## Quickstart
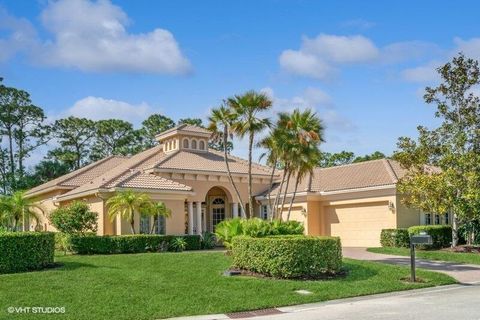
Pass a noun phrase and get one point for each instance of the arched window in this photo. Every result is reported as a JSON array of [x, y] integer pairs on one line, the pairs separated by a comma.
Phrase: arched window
[[185, 143], [218, 201], [201, 145], [194, 144]]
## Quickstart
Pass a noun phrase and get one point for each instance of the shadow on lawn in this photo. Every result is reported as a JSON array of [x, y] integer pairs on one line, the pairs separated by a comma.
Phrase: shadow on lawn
[[357, 272]]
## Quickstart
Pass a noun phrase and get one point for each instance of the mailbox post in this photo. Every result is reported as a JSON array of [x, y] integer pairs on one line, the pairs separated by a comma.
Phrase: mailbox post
[[421, 238]]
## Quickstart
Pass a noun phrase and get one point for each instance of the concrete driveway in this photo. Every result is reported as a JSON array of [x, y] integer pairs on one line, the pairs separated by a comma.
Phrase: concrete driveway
[[463, 273]]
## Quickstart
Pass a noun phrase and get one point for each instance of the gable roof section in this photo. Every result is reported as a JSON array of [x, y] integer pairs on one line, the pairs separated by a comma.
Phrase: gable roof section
[[211, 161], [368, 174], [78, 177], [130, 174]]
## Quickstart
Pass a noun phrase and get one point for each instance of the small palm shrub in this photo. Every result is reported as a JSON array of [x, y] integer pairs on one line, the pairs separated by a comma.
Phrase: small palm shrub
[[178, 244], [208, 240], [255, 228]]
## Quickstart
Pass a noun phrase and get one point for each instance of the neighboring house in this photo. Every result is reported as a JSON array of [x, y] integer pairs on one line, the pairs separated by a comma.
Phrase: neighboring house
[[354, 201]]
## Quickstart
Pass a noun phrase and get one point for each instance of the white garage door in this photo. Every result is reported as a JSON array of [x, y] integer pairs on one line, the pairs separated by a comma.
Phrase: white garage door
[[358, 225]]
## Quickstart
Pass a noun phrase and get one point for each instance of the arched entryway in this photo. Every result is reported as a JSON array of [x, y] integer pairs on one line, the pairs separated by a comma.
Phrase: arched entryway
[[217, 208]]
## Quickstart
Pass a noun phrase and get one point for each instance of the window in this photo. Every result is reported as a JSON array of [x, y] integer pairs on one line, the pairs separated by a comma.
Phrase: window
[[437, 219], [194, 144], [446, 218], [185, 143], [174, 144], [218, 212], [159, 225], [201, 145], [144, 224], [264, 212], [428, 218]]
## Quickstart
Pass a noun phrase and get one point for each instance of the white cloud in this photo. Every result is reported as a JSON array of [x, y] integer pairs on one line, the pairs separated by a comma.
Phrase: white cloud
[[97, 108], [471, 47], [315, 99], [427, 72], [21, 35], [341, 49], [408, 50], [322, 56], [318, 57], [422, 74], [93, 37], [304, 64]]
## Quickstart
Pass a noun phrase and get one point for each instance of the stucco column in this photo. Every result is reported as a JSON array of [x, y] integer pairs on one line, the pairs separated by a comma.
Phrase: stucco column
[[199, 217], [190, 217], [204, 225], [235, 210]]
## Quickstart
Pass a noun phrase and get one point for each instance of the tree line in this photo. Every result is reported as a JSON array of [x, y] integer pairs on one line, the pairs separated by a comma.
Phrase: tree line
[[24, 129]]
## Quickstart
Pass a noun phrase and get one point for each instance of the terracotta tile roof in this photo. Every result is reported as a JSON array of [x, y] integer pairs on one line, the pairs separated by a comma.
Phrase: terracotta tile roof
[[373, 173], [130, 172], [212, 161], [151, 181], [130, 169], [78, 177]]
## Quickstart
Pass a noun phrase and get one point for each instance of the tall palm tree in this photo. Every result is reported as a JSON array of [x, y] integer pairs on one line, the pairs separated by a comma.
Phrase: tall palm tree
[[126, 204], [220, 123], [157, 209], [246, 108], [305, 162], [271, 154], [300, 133], [18, 208]]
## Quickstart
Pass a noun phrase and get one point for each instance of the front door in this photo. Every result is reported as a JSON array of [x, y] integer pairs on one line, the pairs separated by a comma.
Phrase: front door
[[217, 211]]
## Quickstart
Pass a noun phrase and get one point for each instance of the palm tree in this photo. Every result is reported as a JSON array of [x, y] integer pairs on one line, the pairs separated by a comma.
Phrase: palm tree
[[157, 209], [306, 161], [246, 108], [17, 207], [126, 204], [296, 137], [220, 123], [271, 153]]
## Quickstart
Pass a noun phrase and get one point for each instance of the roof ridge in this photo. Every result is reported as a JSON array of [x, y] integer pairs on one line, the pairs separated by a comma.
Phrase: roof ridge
[[68, 176], [132, 167], [350, 164], [91, 165], [258, 165], [390, 170]]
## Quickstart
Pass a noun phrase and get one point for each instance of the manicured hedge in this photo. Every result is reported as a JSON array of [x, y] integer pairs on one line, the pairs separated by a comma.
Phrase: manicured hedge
[[441, 235], [26, 251], [92, 244], [398, 238], [288, 256]]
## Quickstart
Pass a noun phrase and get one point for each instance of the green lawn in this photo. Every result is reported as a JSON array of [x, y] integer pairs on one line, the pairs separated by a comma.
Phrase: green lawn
[[152, 286], [471, 258]]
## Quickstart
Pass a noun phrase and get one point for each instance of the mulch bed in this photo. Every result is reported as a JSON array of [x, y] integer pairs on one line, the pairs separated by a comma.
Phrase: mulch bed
[[326, 276], [464, 249]]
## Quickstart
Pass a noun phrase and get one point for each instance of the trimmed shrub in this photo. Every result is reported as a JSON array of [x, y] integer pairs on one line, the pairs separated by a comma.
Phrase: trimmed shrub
[[92, 244], [288, 256], [398, 238], [26, 251], [74, 218], [255, 227], [441, 235]]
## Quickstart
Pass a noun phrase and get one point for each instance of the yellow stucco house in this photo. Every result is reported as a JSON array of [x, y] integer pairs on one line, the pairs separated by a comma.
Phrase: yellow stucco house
[[353, 201]]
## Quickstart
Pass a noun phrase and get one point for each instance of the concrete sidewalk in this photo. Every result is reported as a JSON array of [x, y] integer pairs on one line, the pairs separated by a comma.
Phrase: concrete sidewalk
[[439, 303], [463, 273]]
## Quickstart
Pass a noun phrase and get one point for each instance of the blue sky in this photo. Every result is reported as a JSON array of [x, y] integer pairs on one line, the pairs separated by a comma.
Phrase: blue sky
[[362, 65]]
